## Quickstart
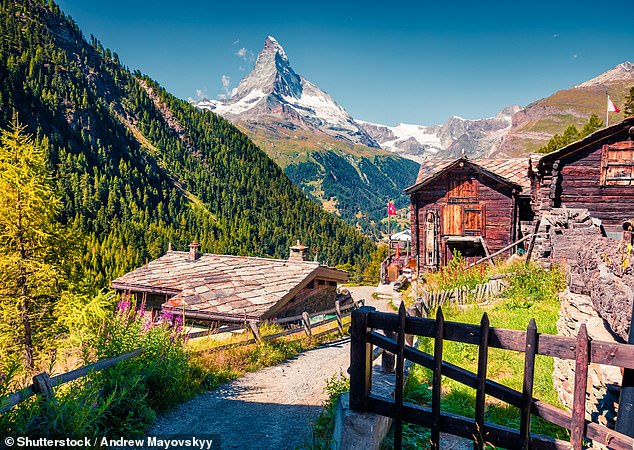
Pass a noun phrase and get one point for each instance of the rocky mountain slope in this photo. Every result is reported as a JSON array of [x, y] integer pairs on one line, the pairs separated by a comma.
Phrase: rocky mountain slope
[[513, 131], [318, 144], [273, 93], [478, 138], [538, 122]]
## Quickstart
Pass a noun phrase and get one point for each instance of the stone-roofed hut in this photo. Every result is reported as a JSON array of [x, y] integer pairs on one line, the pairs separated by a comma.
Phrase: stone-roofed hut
[[229, 289], [473, 206]]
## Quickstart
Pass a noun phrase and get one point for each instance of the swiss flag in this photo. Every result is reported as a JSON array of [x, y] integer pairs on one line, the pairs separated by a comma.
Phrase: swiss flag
[[391, 209], [612, 107]]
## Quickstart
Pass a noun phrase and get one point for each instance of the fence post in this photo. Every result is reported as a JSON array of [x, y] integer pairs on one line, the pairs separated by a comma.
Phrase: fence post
[[338, 313], [483, 355], [360, 359], [625, 416], [527, 389], [256, 331], [435, 393], [42, 385], [306, 323], [577, 430], [400, 375]]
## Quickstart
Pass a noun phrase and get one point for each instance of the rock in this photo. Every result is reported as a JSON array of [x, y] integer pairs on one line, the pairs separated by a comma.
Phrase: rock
[[601, 396], [612, 298]]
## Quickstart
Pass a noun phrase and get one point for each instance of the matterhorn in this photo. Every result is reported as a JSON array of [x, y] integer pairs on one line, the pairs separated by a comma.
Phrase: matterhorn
[[274, 95]]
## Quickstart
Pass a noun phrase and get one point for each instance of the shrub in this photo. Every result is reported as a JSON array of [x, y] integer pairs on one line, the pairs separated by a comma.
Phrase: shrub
[[124, 399], [457, 274]]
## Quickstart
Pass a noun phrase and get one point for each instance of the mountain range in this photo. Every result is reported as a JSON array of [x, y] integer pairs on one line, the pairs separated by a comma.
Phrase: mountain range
[[352, 167], [321, 148], [515, 130]]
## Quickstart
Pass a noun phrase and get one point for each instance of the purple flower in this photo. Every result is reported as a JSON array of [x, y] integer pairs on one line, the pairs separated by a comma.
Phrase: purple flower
[[166, 317], [94, 404], [123, 306], [141, 309]]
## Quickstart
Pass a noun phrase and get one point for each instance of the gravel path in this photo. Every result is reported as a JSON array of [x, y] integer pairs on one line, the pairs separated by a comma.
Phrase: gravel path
[[272, 408]]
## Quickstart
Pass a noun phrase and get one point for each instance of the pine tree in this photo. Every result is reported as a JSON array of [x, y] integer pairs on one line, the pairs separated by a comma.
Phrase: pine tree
[[29, 238], [628, 107], [571, 134]]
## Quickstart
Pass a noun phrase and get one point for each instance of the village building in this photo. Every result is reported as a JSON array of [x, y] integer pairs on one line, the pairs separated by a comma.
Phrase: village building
[[230, 289], [475, 207], [480, 207], [595, 173]]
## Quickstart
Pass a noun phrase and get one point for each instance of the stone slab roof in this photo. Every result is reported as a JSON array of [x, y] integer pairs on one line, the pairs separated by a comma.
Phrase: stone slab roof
[[512, 170], [224, 285]]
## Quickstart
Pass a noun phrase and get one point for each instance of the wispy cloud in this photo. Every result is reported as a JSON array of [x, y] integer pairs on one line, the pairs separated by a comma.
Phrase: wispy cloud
[[201, 93], [236, 42], [556, 35], [226, 82], [245, 54]]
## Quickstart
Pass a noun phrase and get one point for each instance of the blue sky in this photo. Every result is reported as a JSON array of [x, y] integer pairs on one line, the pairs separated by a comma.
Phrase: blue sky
[[387, 62]]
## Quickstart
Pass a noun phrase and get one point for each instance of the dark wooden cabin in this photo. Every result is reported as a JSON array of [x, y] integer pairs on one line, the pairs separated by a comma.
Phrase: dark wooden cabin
[[473, 206], [595, 173]]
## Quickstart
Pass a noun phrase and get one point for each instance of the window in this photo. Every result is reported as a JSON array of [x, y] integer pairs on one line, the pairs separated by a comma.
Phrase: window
[[462, 189], [617, 164]]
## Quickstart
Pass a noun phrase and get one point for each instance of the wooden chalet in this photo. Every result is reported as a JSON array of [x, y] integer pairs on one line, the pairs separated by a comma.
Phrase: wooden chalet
[[473, 206], [229, 289], [595, 173]]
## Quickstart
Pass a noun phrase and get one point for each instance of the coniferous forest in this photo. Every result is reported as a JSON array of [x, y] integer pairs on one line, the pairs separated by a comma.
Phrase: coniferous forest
[[137, 168]]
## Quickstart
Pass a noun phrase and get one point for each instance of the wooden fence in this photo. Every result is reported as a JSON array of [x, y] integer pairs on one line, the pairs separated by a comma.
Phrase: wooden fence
[[431, 300], [366, 323], [306, 326], [43, 384]]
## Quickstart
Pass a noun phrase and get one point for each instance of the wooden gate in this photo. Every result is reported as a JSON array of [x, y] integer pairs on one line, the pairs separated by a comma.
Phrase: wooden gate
[[366, 323]]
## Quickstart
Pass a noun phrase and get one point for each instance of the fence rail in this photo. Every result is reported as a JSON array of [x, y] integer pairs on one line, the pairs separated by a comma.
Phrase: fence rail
[[364, 335], [43, 384], [306, 328]]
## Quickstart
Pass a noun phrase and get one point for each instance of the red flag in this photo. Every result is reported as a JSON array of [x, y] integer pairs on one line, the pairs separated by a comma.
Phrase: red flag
[[612, 107], [391, 209]]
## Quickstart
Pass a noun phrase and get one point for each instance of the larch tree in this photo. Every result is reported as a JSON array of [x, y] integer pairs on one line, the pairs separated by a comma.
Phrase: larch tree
[[628, 106], [30, 272]]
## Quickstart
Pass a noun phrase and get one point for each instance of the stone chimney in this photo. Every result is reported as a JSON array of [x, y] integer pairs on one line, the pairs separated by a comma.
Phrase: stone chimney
[[193, 251], [298, 252]]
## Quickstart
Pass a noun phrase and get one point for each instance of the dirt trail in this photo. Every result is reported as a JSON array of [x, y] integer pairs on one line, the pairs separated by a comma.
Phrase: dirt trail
[[272, 408]]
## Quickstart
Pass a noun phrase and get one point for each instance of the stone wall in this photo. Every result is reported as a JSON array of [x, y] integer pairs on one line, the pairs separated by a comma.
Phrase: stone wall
[[603, 271], [319, 298], [602, 395]]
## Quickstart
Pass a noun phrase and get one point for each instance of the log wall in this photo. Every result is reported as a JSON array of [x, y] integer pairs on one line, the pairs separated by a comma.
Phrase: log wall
[[573, 179], [495, 199]]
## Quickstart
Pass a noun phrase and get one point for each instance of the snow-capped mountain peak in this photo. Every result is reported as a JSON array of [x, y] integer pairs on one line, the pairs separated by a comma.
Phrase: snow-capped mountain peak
[[273, 90], [623, 71], [420, 142]]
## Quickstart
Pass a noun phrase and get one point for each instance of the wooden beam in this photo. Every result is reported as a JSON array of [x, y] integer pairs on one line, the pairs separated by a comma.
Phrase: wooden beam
[[527, 388], [435, 394], [360, 360], [601, 352]]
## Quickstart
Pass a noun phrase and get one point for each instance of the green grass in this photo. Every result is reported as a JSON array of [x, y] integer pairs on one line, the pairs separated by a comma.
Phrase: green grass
[[324, 425], [532, 294]]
